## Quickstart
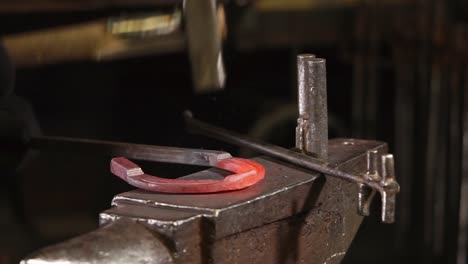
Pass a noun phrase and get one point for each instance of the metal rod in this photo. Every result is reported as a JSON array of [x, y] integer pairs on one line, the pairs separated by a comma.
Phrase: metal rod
[[303, 84], [312, 124], [299, 159], [199, 157], [387, 187], [366, 194]]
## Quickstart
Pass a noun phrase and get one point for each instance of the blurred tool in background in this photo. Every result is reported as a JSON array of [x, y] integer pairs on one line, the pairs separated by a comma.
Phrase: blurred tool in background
[[197, 26]]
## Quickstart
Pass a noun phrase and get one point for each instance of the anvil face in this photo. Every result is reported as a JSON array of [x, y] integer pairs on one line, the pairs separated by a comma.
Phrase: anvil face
[[292, 216]]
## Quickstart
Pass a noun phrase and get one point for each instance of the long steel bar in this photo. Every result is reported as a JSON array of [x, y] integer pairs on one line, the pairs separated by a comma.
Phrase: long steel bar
[[199, 157], [197, 126]]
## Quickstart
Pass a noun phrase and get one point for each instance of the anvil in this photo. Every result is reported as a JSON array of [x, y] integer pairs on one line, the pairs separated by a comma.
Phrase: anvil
[[294, 215]]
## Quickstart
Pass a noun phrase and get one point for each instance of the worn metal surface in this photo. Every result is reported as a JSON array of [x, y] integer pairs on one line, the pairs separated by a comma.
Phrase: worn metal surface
[[312, 124], [388, 186], [293, 216], [121, 241]]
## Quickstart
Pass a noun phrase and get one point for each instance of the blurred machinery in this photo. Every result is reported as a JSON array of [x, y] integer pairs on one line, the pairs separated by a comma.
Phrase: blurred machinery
[[198, 26]]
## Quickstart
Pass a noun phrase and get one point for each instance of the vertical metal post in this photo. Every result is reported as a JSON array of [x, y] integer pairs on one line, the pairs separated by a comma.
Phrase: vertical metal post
[[366, 194], [312, 136], [388, 198], [312, 124]]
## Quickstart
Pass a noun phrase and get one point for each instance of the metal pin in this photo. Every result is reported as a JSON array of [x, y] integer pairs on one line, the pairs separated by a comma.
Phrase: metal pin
[[372, 159], [312, 124], [388, 168], [389, 193], [302, 69], [366, 194], [303, 100]]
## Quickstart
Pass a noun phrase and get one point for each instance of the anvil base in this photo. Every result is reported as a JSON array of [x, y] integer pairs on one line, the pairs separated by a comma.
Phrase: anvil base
[[292, 216]]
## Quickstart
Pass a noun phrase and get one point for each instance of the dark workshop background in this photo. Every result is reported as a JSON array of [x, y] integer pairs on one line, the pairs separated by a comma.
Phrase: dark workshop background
[[396, 72]]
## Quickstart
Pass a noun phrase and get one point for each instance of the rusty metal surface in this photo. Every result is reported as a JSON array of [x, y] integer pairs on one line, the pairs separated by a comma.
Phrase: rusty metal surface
[[320, 234]]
